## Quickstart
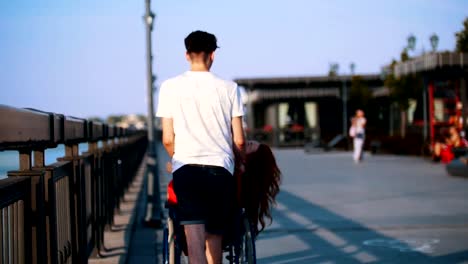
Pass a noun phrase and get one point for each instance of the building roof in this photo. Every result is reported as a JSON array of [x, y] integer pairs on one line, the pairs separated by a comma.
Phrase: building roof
[[308, 81], [281, 94], [302, 87]]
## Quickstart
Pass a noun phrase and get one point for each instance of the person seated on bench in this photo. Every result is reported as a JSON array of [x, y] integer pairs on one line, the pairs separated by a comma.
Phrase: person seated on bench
[[445, 145]]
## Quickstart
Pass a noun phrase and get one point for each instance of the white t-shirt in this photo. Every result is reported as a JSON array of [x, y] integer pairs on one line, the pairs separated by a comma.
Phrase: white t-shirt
[[202, 107], [360, 125]]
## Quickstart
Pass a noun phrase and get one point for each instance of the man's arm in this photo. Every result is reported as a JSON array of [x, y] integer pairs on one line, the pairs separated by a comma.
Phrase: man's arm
[[238, 134], [168, 135]]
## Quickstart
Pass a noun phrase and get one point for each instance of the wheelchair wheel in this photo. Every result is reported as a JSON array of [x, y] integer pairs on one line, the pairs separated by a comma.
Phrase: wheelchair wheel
[[247, 252], [171, 252]]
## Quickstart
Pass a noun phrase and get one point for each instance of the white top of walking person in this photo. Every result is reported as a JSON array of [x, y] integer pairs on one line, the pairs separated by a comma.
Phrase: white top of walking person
[[360, 122]]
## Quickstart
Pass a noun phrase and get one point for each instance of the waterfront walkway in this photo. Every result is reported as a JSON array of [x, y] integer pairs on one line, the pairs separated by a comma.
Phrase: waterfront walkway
[[389, 209]]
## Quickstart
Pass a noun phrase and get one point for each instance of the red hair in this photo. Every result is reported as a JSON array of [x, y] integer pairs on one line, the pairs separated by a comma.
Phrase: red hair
[[260, 185]]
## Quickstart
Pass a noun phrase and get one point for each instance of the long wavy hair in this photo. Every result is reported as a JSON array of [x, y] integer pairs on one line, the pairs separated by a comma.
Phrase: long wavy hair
[[259, 186]]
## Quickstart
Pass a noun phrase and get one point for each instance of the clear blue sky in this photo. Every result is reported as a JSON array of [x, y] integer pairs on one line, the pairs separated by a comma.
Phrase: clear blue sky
[[87, 58]]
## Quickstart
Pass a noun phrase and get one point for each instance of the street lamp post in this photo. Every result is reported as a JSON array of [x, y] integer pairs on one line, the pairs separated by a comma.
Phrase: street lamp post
[[383, 76], [434, 42], [352, 67], [153, 207]]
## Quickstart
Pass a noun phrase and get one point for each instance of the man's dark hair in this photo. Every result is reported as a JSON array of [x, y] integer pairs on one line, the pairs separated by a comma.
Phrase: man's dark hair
[[200, 41]]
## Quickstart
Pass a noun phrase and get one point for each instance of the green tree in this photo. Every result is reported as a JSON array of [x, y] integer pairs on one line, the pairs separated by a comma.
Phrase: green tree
[[96, 119], [114, 119], [404, 55], [359, 95], [462, 38], [333, 71], [402, 90], [142, 117]]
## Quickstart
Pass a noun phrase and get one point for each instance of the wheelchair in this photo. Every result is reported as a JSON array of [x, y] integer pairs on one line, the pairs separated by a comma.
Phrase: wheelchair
[[238, 245]]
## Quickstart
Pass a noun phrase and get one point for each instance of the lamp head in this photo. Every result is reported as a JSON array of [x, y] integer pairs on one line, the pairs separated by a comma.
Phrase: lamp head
[[411, 42], [352, 66]]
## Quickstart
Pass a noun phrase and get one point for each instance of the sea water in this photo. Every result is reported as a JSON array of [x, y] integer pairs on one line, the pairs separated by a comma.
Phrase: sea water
[[9, 160]]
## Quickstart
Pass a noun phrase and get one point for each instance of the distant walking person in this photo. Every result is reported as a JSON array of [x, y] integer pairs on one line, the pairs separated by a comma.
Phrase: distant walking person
[[358, 133], [201, 118]]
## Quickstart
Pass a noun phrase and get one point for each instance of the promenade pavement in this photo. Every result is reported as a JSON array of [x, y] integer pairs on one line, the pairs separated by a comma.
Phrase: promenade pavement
[[388, 209]]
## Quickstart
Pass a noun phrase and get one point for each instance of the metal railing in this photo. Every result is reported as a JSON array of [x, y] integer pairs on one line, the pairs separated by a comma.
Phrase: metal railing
[[431, 61], [58, 213], [15, 215]]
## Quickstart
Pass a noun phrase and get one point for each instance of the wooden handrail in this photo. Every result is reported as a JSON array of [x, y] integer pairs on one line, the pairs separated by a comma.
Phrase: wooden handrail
[[66, 205], [28, 128], [23, 127]]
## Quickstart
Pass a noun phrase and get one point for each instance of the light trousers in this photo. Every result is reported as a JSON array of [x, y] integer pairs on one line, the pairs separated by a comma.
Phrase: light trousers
[[358, 143]]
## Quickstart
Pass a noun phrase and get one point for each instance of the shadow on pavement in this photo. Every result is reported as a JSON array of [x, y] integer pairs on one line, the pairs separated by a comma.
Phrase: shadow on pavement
[[332, 238]]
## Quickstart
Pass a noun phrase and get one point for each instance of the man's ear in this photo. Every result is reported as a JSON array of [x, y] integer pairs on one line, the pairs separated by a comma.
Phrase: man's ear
[[187, 57], [212, 56]]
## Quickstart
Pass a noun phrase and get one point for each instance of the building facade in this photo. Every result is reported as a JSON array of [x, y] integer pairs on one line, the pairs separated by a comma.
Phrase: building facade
[[294, 110]]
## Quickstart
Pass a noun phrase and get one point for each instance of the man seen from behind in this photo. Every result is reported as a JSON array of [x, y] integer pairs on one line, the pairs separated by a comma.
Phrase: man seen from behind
[[201, 117]]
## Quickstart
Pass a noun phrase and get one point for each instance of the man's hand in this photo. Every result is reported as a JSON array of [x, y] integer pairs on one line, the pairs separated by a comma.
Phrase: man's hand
[[169, 167]]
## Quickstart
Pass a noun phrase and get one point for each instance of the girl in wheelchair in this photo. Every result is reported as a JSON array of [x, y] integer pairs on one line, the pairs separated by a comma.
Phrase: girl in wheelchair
[[257, 179]]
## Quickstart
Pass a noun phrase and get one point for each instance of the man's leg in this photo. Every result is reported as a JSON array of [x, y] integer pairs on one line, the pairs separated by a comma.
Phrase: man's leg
[[214, 250], [195, 235], [221, 206]]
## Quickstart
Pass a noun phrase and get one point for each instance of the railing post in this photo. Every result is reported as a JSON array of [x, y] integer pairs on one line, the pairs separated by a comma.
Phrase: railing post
[[109, 185], [97, 132], [71, 154], [95, 192], [40, 238], [25, 159]]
